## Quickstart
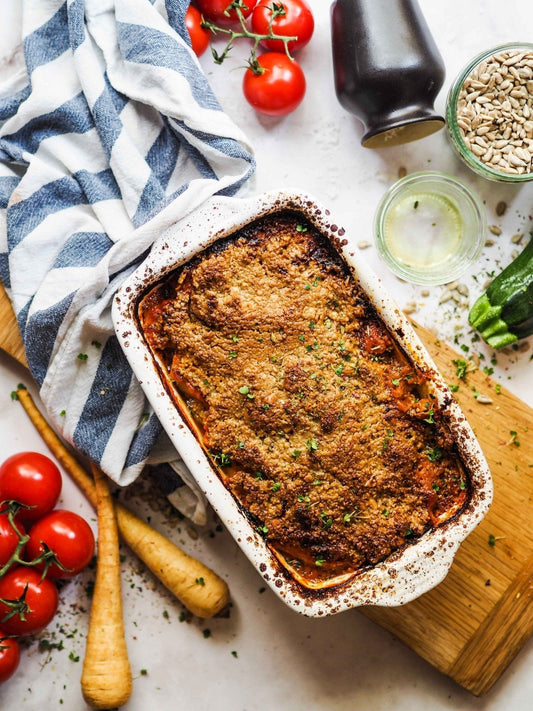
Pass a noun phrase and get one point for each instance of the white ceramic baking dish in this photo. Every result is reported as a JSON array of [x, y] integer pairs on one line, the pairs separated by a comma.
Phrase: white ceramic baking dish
[[408, 572]]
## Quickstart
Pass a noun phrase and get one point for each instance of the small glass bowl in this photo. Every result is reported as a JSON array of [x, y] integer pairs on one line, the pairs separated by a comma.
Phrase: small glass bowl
[[430, 228], [481, 167]]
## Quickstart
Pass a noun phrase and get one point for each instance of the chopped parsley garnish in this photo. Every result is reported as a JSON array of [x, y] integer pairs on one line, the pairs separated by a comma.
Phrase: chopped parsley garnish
[[429, 419], [461, 367], [326, 520], [245, 390], [301, 228], [514, 439], [275, 486], [312, 445], [320, 561], [433, 454], [348, 517], [223, 459]]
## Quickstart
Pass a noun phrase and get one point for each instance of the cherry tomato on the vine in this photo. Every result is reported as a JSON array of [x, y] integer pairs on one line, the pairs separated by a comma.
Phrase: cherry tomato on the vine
[[199, 35], [298, 21], [9, 539], [9, 656], [279, 89], [69, 536], [40, 596], [214, 10], [32, 479]]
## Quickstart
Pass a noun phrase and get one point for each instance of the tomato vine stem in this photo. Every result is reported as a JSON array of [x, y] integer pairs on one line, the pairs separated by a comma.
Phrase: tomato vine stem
[[277, 10]]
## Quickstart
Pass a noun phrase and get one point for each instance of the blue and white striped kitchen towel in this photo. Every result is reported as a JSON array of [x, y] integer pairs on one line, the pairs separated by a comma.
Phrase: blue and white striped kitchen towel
[[106, 120]]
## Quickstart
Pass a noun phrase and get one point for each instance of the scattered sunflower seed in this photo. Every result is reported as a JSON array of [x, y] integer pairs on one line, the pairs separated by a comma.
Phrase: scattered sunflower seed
[[410, 307], [484, 399], [495, 230], [501, 208]]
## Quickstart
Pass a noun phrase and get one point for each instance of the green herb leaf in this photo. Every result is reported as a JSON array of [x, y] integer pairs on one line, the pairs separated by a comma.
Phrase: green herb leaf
[[433, 454], [312, 445], [461, 367]]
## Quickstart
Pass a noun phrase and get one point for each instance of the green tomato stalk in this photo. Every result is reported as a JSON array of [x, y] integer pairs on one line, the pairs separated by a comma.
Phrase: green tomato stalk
[[277, 10]]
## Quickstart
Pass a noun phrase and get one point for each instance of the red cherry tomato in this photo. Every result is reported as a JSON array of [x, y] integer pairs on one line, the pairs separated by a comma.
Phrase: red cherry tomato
[[8, 538], [41, 598], [298, 21], [31, 479], [279, 89], [214, 10], [199, 35], [69, 536], [9, 656]]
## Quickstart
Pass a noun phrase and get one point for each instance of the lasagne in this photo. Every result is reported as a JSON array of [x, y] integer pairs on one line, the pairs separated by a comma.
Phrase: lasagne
[[317, 422]]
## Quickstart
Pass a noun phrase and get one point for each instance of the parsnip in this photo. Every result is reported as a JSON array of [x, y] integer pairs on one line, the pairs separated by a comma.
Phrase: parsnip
[[199, 588], [106, 680]]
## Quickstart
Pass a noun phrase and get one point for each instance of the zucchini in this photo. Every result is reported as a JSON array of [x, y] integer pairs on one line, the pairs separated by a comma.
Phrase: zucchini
[[504, 312]]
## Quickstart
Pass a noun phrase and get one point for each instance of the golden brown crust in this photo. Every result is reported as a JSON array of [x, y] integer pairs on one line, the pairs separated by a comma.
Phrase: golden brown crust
[[319, 425]]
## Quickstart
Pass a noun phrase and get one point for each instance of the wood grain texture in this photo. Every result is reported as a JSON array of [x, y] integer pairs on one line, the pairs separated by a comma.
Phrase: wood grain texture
[[474, 623], [10, 340]]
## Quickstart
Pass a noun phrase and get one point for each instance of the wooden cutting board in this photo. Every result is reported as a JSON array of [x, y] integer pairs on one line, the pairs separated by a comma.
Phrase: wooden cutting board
[[473, 624]]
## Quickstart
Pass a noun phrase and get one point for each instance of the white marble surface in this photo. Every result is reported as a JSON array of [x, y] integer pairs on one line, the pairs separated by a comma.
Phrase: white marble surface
[[264, 656]]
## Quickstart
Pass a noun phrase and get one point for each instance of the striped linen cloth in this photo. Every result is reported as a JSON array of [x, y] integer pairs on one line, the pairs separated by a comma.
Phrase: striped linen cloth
[[106, 122]]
